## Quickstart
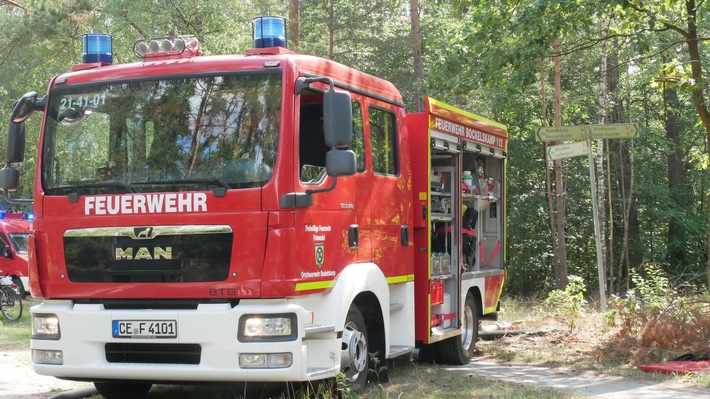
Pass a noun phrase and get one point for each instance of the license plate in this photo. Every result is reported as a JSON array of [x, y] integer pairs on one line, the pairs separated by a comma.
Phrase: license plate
[[144, 328]]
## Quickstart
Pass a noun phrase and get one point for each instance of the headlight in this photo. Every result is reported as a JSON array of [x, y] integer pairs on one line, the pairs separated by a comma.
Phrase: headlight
[[45, 326], [271, 327]]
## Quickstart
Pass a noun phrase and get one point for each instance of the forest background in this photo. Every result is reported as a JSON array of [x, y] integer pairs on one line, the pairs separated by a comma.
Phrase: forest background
[[523, 63]]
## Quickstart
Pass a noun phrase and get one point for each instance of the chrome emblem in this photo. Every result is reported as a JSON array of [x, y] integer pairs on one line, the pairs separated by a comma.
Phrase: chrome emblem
[[142, 233], [144, 253]]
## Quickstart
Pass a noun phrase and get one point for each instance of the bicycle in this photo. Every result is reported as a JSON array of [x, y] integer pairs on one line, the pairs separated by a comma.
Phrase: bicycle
[[10, 299]]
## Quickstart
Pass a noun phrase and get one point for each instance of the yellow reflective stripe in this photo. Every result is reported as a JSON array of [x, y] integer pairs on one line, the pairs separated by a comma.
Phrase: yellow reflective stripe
[[319, 285], [316, 285], [400, 279]]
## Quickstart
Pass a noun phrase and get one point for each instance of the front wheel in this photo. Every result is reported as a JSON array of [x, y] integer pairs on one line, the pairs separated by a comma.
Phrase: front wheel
[[354, 359], [123, 389], [11, 304], [459, 350]]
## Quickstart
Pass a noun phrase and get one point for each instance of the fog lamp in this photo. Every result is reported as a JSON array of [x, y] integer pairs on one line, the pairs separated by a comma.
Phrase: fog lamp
[[265, 360], [47, 356]]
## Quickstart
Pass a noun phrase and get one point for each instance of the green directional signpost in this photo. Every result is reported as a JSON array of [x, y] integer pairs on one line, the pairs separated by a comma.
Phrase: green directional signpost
[[615, 131], [567, 150], [579, 148], [562, 133]]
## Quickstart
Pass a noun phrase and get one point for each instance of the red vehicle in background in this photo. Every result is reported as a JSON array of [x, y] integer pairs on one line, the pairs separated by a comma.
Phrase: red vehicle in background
[[15, 228]]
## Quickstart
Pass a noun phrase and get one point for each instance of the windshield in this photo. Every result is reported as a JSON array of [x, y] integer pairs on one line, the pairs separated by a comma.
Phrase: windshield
[[19, 242], [172, 134]]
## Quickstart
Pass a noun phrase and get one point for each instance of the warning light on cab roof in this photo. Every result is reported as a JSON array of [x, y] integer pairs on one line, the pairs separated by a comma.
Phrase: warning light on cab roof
[[97, 47], [269, 32], [183, 46]]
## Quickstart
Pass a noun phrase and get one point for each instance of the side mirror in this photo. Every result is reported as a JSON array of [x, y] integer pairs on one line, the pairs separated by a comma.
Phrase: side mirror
[[15, 142], [9, 179], [339, 163], [337, 118], [24, 107]]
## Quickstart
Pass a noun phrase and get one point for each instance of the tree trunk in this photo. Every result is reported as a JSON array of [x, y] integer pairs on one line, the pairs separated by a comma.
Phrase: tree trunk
[[417, 56], [548, 177], [615, 116], [678, 188], [561, 272], [330, 10], [294, 23], [696, 70], [601, 188]]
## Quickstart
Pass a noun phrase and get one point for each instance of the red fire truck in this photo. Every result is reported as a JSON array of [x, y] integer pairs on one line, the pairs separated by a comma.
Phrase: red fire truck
[[268, 216]]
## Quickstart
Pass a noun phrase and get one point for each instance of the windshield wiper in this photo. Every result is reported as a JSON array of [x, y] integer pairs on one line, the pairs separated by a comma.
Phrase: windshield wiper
[[206, 181], [220, 191], [73, 189]]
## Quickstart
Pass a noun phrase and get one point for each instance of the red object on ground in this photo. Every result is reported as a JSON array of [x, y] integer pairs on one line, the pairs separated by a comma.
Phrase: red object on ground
[[678, 367]]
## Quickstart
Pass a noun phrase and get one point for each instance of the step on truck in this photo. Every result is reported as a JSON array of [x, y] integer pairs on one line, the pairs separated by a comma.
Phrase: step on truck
[[267, 216]]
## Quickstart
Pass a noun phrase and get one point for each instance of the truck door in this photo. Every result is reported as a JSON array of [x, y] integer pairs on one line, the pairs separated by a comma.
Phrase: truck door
[[390, 192]]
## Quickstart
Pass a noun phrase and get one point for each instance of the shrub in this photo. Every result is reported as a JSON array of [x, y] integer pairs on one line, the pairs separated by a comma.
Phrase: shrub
[[655, 322], [568, 302]]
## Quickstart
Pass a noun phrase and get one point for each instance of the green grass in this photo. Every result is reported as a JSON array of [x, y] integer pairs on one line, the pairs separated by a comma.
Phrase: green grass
[[407, 380], [16, 334]]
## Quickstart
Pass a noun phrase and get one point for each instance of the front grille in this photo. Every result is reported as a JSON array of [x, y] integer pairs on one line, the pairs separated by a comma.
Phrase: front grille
[[161, 254], [153, 353]]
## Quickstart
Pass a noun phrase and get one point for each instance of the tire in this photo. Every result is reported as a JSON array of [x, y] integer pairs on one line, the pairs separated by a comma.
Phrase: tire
[[11, 304], [459, 350], [123, 389], [354, 357]]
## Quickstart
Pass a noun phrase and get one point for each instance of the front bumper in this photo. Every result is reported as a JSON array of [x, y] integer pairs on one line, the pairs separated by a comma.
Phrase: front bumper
[[86, 336]]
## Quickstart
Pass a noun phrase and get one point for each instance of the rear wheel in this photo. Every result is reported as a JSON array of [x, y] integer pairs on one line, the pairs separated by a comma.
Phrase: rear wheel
[[11, 304], [459, 350], [123, 389], [354, 358]]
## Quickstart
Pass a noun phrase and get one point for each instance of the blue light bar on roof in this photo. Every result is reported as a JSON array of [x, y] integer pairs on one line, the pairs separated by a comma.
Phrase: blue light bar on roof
[[269, 32], [98, 47]]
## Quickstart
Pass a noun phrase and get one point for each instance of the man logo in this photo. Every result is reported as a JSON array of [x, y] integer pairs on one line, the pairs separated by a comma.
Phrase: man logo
[[144, 253], [142, 233]]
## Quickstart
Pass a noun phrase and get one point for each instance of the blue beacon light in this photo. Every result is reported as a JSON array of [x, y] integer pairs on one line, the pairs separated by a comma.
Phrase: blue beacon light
[[269, 32], [98, 47]]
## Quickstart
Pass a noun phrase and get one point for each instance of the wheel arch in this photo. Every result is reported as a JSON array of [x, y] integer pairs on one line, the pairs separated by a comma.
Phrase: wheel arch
[[363, 284], [371, 309], [477, 298]]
